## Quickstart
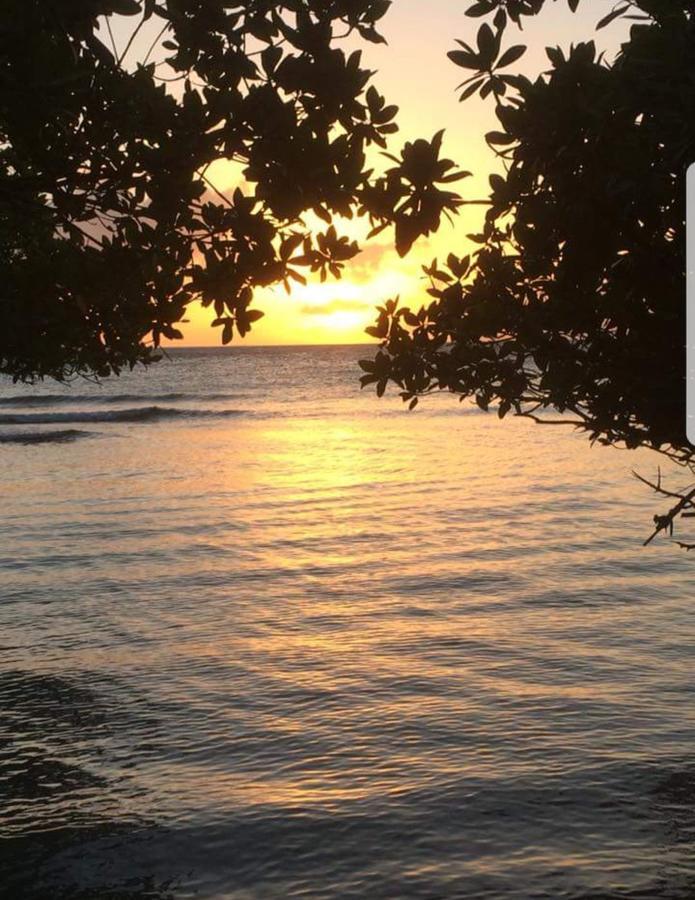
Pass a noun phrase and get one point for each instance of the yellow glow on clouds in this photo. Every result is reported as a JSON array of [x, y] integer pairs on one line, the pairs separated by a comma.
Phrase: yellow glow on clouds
[[412, 71], [335, 311]]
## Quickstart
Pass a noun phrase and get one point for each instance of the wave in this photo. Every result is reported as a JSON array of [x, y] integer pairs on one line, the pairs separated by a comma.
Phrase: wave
[[134, 414], [53, 399], [65, 436]]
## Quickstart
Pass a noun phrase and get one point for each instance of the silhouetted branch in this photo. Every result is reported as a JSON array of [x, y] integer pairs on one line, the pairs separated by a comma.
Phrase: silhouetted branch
[[686, 500], [132, 37], [577, 423]]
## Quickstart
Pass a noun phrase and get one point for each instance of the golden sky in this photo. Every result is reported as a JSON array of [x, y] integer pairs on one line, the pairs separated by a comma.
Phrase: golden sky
[[412, 71]]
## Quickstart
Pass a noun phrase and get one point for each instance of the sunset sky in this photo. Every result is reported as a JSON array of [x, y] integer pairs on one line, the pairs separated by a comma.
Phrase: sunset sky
[[412, 71]]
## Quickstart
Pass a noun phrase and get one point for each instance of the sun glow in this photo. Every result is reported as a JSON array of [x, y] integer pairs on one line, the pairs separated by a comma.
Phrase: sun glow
[[339, 311], [340, 322], [332, 312]]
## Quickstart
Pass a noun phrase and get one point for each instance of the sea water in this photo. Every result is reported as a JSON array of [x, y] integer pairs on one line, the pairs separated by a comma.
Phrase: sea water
[[265, 636]]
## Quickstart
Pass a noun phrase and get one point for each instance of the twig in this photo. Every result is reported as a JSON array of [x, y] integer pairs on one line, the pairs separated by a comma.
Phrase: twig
[[666, 522], [154, 43], [113, 42], [132, 37], [578, 423]]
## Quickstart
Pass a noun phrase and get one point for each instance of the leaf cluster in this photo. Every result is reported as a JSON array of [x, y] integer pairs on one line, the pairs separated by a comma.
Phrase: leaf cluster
[[573, 301], [110, 225]]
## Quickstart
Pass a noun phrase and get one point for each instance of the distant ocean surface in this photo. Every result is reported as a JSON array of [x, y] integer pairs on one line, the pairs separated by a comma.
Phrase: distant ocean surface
[[264, 636]]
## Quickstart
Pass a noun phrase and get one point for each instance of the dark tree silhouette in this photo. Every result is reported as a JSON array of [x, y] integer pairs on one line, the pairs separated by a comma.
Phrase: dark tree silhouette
[[574, 301], [109, 224]]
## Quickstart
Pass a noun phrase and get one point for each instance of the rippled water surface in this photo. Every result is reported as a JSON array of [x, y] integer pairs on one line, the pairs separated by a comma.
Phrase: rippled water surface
[[264, 637]]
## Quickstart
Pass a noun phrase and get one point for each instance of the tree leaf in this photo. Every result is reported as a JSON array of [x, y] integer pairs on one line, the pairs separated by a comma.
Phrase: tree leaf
[[615, 14], [510, 55], [464, 59]]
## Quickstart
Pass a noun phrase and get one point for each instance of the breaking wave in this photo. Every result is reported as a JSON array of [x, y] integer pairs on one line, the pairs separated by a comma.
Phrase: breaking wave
[[133, 414], [57, 399], [65, 436]]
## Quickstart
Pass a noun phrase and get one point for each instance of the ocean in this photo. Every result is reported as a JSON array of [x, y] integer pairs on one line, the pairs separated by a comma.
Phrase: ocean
[[265, 636]]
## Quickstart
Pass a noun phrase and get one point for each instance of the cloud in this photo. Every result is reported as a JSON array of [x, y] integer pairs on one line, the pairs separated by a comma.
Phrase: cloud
[[370, 260], [332, 306]]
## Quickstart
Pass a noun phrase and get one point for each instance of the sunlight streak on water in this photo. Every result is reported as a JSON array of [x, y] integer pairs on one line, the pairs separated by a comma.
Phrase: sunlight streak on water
[[329, 649]]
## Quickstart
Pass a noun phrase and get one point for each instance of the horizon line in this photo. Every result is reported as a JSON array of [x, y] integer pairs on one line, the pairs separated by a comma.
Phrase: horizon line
[[240, 346]]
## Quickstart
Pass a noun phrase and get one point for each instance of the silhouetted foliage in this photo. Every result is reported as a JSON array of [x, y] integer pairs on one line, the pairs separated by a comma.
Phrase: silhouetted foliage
[[109, 225], [574, 299]]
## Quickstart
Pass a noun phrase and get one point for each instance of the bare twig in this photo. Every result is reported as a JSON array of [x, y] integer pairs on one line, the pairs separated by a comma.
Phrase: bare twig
[[686, 500], [132, 37], [113, 42], [578, 423]]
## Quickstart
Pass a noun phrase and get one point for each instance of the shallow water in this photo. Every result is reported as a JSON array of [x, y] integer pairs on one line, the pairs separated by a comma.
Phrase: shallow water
[[264, 637]]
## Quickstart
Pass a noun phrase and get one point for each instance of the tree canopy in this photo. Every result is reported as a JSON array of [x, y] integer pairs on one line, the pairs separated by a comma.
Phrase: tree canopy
[[110, 225], [570, 307], [573, 301]]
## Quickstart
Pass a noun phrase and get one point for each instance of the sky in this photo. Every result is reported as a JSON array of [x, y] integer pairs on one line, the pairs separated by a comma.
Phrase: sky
[[412, 71]]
